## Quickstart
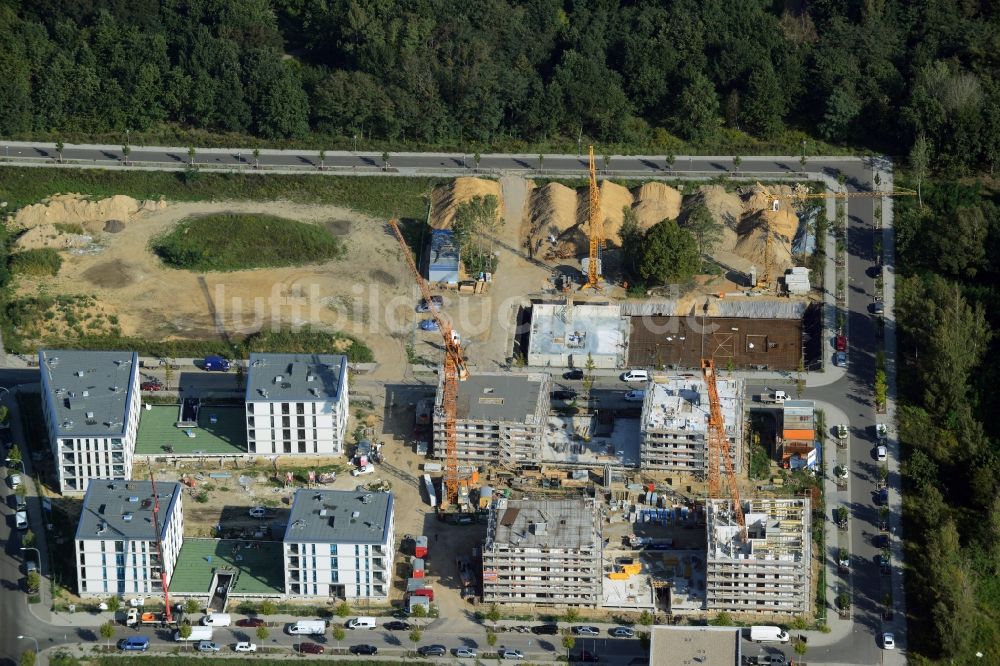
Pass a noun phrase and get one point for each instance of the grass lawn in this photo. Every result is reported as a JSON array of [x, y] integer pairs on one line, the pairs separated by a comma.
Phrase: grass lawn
[[233, 242], [260, 571], [227, 435], [381, 196]]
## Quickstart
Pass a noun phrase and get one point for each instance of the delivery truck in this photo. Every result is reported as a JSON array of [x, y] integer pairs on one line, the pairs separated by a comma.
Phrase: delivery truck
[[197, 634], [768, 634]]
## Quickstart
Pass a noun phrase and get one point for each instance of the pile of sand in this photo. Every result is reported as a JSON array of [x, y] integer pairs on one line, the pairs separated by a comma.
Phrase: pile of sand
[[46, 235], [445, 199], [553, 210], [655, 202], [76, 209], [724, 207], [752, 246], [614, 200], [784, 222]]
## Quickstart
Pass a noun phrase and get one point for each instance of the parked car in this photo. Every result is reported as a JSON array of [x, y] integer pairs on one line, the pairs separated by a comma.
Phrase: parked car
[[586, 630], [881, 453], [364, 649], [881, 540], [15, 481], [250, 622], [563, 395], [310, 648], [428, 325], [432, 650], [635, 396], [841, 431], [468, 653], [635, 376], [366, 469], [134, 644], [550, 629], [153, 385], [438, 302], [258, 512], [877, 308], [244, 646], [888, 641], [623, 632], [840, 342], [840, 359], [883, 497], [397, 625], [208, 646], [506, 653], [574, 374], [21, 519]]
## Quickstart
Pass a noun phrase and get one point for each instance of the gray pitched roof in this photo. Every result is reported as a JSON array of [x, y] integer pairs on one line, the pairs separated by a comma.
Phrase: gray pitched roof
[[119, 510], [339, 516], [89, 391], [295, 377]]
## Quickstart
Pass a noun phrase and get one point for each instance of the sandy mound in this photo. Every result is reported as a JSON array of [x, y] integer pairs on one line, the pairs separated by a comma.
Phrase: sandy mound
[[752, 246], [445, 199], [46, 235], [614, 200], [725, 208], [784, 221], [76, 209], [655, 202], [553, 209]]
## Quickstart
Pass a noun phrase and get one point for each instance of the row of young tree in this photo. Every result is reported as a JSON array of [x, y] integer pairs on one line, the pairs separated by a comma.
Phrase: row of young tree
[[948, 308], [635, 74]]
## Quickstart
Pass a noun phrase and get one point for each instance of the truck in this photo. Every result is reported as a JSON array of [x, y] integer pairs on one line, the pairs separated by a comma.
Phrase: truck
[[772, 397], [197, 634], [216, 363], [768, 634]]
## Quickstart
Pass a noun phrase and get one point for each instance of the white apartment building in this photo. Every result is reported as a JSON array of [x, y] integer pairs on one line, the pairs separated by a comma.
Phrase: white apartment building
[[339, 545], [115, 543], [91, 402], [296, 403], [674, 425]]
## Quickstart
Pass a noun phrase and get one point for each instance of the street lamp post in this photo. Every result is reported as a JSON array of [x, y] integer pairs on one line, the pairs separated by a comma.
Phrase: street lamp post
[[37, 553]]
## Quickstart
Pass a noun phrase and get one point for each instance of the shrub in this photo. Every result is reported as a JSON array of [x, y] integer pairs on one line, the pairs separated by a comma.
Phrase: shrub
[[43, 261]]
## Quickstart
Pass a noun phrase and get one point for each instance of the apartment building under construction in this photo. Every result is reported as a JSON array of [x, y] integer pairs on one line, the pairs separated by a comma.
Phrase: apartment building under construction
[[543, 551], [500, 419], [674, 426], [769, 571]]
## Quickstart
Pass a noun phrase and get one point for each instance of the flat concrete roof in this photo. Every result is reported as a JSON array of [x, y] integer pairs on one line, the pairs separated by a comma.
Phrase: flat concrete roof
[[499, 397], [681, 403], [117, 510], [89, 390], [581, 329], [544, 523], [260, 566], [295, 377], [158, 435], [711, 646], [777, 530], [339, 516]]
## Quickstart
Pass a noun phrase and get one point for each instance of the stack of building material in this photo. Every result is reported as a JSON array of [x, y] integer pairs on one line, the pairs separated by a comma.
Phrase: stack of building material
[[797, 280]]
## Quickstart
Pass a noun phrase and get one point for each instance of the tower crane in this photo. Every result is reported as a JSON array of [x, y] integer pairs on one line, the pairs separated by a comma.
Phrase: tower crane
[[718, 448], [168, 618], [596, 222], [455, 371], [801, 193]]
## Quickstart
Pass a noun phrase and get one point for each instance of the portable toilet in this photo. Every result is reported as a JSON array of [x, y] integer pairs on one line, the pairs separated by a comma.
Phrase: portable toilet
[[421, 546], [418, 567]]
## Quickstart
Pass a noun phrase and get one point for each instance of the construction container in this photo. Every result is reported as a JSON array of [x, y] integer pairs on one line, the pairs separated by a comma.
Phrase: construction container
[[418, 567], [485, 497], [421, 546]]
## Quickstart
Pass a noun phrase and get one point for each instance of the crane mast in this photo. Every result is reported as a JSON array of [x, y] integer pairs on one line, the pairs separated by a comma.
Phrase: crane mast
[[596, 222], [159, 550], [718, 448], [454, 371]]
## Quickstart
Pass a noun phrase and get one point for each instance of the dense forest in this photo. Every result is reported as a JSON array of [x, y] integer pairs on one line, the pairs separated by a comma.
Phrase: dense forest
[[948, 307], [649, 75]]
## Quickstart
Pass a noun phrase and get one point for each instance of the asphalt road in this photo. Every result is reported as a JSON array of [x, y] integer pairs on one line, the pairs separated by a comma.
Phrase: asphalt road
[[852, 394]]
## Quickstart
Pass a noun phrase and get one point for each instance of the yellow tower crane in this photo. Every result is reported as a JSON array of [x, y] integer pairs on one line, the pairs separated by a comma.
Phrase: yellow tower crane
[[596, 222], [718, 448]]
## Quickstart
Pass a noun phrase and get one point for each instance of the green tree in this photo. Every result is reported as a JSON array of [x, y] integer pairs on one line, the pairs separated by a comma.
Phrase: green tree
[[59, 150], [698, 108], [108, 631], [385, 161], [706, 230], [881, 389], [493, 614], [669, 161], [541, 161], [670, 254], [764, 103], [256, 158], [800, 647], [126, 151], [191, 153], [476, 157], [491, 638], [28, 658], [475, 225], [920, 160], [572, 614], [322, 160], [29, 539], [588, 386], [339, 634], [419, 613], [631, 238], [722, 619], [33, 581], [737, 161], [645, 618], [15, 454], [263, 633], [343, 609], [184, 630], [192, 606], [4, 414], [568, 641], [415, 636], [267, 607], [168, 372]]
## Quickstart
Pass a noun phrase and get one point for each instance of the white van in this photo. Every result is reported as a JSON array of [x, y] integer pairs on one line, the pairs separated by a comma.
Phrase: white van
[[635, 376], [361, 623], [217, 620], [768, 634], [308, 628]]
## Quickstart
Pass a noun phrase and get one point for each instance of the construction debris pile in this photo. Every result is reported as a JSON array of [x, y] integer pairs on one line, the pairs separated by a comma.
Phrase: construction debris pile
[[65, 221], [445, 199]]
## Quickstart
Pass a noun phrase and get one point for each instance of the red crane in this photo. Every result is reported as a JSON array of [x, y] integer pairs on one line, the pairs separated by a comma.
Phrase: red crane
[[454, 371], [159, 550], [718, 448]]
